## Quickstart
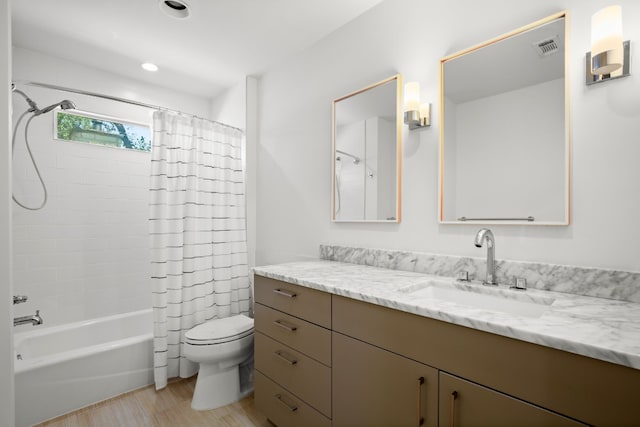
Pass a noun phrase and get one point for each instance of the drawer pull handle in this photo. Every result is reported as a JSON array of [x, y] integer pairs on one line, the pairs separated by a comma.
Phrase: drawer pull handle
[[452, 406], [285, 293], [285, 325], [282, 356], [292, 408], [420, 417]]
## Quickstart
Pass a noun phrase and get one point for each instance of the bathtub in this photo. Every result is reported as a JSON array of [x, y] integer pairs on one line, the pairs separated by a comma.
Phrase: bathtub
[[64, 368]]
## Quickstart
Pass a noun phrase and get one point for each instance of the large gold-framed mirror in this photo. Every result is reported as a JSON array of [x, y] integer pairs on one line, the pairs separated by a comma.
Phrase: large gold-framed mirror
[[505, 131], [366, 162]]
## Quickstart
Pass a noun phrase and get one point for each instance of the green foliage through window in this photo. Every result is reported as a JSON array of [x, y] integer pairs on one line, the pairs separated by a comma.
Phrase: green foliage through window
[[102, 131]]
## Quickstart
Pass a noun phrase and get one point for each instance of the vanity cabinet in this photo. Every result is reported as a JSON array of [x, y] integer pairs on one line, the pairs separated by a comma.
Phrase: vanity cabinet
[[292, 353], [515, 374], [375, 387], [328, 360]]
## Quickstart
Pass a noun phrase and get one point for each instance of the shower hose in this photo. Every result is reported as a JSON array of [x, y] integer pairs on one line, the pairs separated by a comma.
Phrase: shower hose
[[35, 166]]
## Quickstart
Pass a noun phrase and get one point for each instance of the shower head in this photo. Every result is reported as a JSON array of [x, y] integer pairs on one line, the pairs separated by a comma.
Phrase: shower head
[[33, 108], [64, 104], [67, 105]]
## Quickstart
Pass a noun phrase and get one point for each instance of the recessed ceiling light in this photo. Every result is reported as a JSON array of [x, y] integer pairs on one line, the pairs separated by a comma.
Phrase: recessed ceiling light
[[175, 8], [149, 67]]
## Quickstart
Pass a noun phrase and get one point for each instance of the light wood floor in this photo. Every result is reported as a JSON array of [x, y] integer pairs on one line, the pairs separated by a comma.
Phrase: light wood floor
[[170, 406]]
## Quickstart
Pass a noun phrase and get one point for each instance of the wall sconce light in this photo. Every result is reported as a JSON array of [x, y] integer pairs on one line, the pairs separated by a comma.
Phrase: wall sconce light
[[609, 56], [416, 115]]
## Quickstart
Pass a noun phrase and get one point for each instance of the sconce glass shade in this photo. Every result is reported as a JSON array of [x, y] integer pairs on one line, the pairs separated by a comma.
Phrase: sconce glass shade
[[425, 110], [606, 40], [412, 96]]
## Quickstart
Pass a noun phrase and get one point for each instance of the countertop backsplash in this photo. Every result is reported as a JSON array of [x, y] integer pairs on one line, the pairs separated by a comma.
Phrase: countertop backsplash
[[594, 282]]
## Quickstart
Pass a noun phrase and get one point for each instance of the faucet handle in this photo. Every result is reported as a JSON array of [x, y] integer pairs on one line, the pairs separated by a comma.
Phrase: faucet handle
[[19, 299], [463, 276], [520, 283]]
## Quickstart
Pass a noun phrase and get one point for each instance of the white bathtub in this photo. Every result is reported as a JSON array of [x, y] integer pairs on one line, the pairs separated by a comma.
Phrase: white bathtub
[[64, 368]]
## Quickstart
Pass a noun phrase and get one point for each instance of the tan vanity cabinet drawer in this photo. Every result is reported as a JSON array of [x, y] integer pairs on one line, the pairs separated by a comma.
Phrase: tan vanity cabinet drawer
[[304, 377], [307, 338], [463, 403], [308, 304], [283, 408]]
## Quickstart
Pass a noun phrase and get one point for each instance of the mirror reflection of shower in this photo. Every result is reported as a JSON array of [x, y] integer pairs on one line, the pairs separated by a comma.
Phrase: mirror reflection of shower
[[338, 169], [364, 167], [370, 173], [35, 112], [356, 159]]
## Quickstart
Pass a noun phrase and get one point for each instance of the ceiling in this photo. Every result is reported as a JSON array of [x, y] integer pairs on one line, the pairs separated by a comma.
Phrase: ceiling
[[213, 49]]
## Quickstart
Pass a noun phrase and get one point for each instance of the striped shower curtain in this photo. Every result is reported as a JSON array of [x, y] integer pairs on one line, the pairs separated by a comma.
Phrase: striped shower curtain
[[197, 233]]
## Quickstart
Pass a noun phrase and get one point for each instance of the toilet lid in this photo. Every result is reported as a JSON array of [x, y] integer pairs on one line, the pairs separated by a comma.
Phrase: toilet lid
[[221, 330]]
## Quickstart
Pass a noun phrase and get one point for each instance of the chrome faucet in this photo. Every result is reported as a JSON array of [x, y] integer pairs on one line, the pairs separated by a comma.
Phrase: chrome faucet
[[34, 320], [486, 234]]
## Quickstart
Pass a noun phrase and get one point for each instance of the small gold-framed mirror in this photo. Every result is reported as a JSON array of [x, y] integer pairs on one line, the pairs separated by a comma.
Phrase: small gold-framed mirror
[[366, 154], [505, 130]]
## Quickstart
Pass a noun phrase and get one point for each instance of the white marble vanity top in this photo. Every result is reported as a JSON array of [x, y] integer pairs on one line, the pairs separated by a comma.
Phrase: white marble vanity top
[[604, 329]]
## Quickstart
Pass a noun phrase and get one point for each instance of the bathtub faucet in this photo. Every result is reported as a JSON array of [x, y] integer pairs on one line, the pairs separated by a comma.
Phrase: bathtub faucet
[[34, 320]]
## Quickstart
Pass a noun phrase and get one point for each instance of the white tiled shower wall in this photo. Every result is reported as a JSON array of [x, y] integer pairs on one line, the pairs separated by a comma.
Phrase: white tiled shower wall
[[85, 254]]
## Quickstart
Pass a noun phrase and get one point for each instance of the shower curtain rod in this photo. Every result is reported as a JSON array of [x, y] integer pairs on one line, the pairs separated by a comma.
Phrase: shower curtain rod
[[124, 100]]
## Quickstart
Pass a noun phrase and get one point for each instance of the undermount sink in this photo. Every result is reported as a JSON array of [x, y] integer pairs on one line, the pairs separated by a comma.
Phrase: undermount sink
[[482, 297]]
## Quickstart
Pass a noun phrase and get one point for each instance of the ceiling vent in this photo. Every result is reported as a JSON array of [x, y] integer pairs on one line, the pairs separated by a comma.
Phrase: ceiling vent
[[548, 46]]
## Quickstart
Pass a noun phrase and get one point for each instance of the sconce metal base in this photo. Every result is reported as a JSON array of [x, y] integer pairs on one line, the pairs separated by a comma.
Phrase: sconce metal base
[[599, 78], [414, 121]]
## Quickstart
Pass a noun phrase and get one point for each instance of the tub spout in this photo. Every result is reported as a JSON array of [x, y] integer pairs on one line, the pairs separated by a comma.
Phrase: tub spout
[[34, 320]]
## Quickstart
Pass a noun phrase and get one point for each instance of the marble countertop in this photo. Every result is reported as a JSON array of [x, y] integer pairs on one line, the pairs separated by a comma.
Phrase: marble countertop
[[603, 329]]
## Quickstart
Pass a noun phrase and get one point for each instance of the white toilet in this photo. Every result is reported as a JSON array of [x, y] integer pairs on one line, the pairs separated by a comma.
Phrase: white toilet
[[219, 346]]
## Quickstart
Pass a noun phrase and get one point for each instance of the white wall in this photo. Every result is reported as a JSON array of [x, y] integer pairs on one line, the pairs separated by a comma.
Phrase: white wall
[[251, 166], [230, 106], [410, 37], [237, 107], [85, 254], [6, 326]]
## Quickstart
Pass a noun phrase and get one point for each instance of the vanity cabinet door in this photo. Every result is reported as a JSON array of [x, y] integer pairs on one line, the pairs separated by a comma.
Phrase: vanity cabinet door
[[466, 404], [374, 387]]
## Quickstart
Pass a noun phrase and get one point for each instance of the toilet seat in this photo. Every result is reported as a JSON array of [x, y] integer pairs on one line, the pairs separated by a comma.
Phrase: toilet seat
[[219, 331]]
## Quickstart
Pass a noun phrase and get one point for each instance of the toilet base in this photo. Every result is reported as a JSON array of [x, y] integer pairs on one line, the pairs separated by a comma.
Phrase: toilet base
[[215, 387]]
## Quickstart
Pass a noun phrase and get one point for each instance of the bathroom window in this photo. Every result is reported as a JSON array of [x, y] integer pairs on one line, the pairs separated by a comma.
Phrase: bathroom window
[[101, 130]]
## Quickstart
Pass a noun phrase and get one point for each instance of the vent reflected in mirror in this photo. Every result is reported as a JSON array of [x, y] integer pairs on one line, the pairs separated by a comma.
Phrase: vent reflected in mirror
[[504, 142]]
